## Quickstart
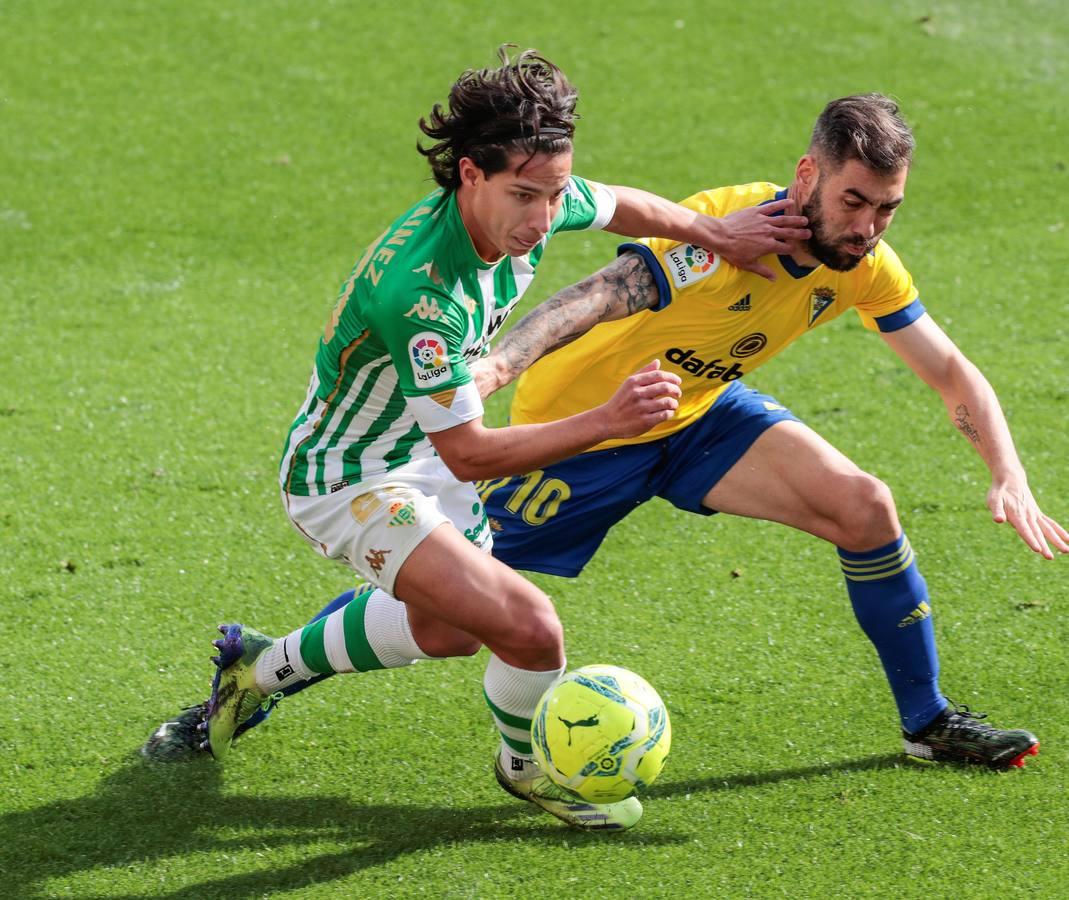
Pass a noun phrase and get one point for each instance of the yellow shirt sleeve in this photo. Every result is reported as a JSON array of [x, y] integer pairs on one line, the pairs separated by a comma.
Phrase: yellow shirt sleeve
[[891, 302]]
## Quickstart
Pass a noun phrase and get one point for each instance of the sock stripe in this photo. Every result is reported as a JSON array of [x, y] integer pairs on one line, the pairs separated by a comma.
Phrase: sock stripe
[[312, 651], [507, 718], [518, 746], [357, 646], [880, 574], [334, 642], [866, 558], [886, 565]]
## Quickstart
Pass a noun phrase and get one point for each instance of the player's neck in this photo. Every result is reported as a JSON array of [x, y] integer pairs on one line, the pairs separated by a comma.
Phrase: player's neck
[[798, 250], [480, 243]]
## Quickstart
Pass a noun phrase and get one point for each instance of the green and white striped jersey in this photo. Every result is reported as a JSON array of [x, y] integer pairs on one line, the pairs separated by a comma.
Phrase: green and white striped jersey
[[392, 362]]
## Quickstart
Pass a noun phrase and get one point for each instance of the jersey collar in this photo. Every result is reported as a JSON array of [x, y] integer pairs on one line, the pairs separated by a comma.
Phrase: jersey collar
[[792, 268]]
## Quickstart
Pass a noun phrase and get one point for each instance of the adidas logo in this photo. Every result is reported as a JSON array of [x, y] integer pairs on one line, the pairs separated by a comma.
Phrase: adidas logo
[[742, 305]]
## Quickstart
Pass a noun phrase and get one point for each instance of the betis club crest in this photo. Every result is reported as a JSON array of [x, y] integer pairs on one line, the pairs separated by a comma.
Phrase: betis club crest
[[820, 300]]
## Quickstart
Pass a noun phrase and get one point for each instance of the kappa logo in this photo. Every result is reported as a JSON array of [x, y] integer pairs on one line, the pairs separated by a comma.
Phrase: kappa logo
[[820, 300], [689, 263], [376, 559], [426, 308], [742, 305], [430, 269], [430, 363]]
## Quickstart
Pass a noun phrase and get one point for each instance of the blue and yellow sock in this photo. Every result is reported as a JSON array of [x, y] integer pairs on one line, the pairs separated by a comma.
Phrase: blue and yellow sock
[[890, 600]]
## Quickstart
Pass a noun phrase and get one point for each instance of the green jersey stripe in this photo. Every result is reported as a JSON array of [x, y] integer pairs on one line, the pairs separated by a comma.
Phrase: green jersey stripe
[[347, 413]]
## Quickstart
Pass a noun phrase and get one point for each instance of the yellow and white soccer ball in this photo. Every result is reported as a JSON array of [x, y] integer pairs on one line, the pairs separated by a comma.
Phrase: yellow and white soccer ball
[[602, 732]]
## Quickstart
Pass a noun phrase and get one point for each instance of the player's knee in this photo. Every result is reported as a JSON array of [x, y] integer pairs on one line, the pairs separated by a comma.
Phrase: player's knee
[[537, 637], [867, 516]]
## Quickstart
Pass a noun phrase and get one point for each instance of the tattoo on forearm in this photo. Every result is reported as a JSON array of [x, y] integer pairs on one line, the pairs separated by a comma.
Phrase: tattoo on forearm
[[622, 288], [965, 426]]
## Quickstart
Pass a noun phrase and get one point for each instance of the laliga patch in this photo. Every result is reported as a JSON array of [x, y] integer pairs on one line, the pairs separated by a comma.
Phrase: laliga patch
[[430, 359], [688, 264]]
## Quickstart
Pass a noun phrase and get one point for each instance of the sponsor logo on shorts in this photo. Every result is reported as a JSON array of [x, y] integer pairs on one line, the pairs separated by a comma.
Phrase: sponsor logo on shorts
[[376, 559], [689, 263], [820, 300], [749, 345], [700, 368], [338, 486], [430, 362], [364, 506]]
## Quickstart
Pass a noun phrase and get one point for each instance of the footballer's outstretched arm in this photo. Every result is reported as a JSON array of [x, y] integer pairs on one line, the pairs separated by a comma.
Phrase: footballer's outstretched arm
[[975, 411], [624, 287], [472, 451], [742, 237]]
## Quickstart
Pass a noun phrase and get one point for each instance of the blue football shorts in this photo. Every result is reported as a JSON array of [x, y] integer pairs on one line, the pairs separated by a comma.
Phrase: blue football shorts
[[553, 520]]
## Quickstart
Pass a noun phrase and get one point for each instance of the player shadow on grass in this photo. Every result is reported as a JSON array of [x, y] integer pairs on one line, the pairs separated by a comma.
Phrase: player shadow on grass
[[735, 782], [144, 814]]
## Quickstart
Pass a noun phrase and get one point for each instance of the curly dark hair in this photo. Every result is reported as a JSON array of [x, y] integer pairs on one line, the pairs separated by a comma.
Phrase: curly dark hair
[[865, 127], [526, 105]]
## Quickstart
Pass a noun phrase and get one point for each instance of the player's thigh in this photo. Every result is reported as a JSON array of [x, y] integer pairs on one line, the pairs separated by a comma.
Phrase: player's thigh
[[790, 474], [447, 579]]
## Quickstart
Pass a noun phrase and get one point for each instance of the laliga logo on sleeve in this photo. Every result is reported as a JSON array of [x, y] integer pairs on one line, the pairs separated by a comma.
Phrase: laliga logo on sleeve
[[430, 364], [689, 263]]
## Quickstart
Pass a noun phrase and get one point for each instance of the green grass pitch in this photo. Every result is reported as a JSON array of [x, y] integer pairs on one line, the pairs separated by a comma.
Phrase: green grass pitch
[[182, 188]]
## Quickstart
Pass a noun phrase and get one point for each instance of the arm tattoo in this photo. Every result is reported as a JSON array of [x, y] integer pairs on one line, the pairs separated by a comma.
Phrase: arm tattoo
[[622, 288], [965, 426]]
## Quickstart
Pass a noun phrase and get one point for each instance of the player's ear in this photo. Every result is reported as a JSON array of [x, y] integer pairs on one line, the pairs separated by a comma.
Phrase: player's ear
[[470, 174], [806, 171]]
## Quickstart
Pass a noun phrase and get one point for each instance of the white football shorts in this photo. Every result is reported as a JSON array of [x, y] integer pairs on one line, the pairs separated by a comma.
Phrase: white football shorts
[[374, 527]]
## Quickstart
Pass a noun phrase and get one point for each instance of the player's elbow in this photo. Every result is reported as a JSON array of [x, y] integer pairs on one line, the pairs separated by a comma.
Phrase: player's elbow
[[469, 463]]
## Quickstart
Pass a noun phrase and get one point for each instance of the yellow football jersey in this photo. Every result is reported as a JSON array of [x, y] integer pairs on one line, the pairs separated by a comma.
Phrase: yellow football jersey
[[713, 323]]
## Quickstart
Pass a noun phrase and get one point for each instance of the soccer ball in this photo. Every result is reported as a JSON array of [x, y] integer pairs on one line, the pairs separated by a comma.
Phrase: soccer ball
[[602, 732]]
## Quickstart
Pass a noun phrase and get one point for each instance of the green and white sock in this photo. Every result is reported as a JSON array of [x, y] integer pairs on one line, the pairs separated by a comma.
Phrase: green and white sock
[[370, 632], [512, 695]]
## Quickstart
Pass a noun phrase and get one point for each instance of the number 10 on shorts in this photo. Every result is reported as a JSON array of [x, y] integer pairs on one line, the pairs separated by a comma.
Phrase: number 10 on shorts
[[534, 497]]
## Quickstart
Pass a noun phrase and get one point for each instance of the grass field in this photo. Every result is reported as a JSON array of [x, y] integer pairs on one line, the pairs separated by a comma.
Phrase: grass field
[[182, 188]]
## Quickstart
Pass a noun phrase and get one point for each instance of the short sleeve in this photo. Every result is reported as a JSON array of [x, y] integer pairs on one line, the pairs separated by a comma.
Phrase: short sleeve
[[425, 344], [891, 301], [587, 205]]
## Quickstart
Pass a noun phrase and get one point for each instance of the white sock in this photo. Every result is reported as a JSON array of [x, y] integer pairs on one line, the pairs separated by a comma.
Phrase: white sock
[[388, 632], [280, 665], [512, 695]]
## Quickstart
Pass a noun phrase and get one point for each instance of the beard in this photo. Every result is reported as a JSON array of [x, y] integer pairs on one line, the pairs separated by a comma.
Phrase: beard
[[831, 252]]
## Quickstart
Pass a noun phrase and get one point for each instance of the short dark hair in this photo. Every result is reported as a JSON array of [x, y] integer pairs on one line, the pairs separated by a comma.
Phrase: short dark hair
[[524, 106], [865, 127]]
